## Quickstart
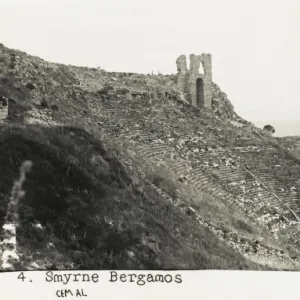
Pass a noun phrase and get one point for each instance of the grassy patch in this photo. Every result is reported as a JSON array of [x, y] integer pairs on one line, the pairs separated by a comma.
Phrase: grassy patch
[[91, 214]]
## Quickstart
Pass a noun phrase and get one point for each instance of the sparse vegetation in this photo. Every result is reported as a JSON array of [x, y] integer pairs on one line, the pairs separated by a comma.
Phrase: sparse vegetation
[[165, 181], [8, 245], [141, 182], [90, 214]]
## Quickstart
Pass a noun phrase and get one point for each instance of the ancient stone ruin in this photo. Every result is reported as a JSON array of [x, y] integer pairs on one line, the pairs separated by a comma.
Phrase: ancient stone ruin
[[195, 85], [3, 108]]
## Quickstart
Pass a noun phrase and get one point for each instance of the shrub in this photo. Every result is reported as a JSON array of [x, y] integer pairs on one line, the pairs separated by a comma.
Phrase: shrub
[[30, 86], [165, 181], [44, 103], [102, 92], [270, 129]]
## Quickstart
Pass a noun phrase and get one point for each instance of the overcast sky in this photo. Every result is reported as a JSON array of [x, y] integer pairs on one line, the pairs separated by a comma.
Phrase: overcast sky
[[255, 44]]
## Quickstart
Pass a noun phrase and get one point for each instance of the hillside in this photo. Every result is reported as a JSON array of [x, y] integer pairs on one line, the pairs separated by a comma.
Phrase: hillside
[[128, 175]]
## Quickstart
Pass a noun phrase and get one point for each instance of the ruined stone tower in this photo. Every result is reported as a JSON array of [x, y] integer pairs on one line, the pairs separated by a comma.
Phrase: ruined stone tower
[[196, 86]]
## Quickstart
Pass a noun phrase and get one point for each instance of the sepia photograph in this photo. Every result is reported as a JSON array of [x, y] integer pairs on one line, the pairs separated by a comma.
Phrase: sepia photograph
[[149, 135]]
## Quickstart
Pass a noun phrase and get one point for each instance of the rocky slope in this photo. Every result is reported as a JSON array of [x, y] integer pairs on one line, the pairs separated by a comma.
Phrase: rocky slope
[[171, 186]]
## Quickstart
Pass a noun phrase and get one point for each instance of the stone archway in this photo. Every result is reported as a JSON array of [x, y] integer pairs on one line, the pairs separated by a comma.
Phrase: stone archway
[[200, 92]]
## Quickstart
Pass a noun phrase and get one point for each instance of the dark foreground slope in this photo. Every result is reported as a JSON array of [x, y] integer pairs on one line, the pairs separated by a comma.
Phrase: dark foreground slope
[[82, 210], [168, 186]]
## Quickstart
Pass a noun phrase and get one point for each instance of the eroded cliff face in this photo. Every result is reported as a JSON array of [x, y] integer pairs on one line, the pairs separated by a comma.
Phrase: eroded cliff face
[[222, 106]]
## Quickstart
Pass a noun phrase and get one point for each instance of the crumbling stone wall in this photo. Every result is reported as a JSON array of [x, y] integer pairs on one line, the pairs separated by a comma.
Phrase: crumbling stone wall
[[182, 73], [3, 108], [189, 81]]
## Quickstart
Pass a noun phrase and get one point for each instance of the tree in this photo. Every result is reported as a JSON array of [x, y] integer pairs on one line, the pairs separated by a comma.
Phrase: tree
[[270, 129]]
